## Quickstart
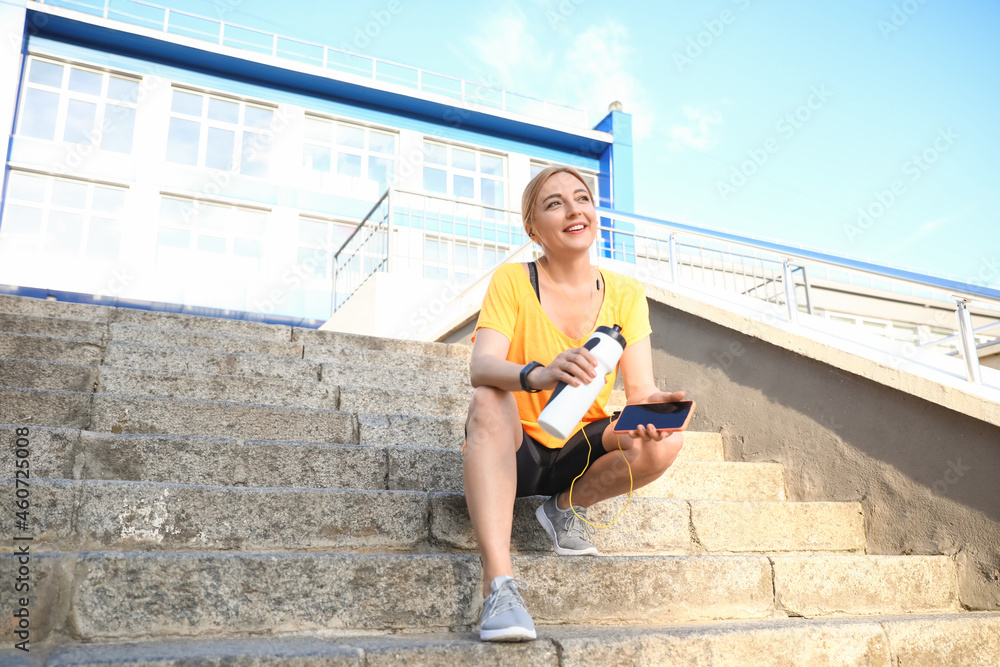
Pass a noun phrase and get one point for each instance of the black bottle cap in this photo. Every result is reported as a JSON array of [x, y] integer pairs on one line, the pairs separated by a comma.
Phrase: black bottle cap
[[615, 333]]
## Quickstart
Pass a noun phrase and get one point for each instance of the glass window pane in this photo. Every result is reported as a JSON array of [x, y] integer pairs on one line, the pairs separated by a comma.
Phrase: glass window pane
[[82, 81], [109, 201], [80, 121], [435, 153], [177, 212], [47, 74], [212, 244], [461, 254], [490, 257], [492, 165], [246, 248], [182, 141], [18, 219], [319, 131], [186, 103], [38, 117], [26, 187], [313, 232], [536, 169], [435, 272], [219, 152], [463, 159], [119, 124], [123, 90], [254, 154], [227, 112], [258, 118], [435, 180], [69, 194], [348, 135], [381, 142], [348, 164], [492, 192], [64, 234], [313, 261], [103, 239], [380, 169], [465, 186], [431, 251], [316, 157], [249, 222], [173, 238], [213, 216], [340, 234]]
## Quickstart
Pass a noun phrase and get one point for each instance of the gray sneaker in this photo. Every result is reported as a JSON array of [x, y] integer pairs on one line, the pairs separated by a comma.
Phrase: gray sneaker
[[505, 618], [569, 534]]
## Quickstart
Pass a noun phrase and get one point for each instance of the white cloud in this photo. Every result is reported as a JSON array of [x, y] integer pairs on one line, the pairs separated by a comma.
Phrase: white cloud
[[698, 133], [586, 69]]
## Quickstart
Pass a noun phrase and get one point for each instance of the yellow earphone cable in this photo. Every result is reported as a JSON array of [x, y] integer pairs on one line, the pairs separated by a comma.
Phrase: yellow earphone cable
[[631, 482]]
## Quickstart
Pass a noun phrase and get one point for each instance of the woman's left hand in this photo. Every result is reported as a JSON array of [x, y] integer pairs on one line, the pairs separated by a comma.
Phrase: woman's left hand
[[647, 433]]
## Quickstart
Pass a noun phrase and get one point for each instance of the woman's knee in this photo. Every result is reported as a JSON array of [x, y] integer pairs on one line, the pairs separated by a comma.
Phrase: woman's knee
[[492, 411], [656, 456]]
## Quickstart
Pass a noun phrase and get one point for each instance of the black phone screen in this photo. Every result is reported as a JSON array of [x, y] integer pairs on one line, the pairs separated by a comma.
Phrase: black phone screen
[[660, 415]]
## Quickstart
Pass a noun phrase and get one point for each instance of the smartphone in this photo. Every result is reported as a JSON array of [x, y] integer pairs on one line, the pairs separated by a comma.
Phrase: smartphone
[[663, 416]]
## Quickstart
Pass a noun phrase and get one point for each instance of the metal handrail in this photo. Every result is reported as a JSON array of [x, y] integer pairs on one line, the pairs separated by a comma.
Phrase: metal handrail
[[961, 292], [465, 89]]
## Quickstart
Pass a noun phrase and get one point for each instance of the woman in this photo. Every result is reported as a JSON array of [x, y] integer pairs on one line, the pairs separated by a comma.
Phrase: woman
[[506, 453]]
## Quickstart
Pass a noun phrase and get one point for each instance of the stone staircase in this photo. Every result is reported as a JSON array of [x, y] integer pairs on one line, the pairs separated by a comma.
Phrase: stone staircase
[[208, 491]]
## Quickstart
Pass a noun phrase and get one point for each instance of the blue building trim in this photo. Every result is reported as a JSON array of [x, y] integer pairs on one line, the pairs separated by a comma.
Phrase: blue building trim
[[616, 182], [158, 306], [127, 50]]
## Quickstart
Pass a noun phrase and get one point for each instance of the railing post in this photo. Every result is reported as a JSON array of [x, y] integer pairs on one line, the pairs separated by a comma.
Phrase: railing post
[[674, 259], [166, 20], [968, 342], [390, 246], [789, 280]]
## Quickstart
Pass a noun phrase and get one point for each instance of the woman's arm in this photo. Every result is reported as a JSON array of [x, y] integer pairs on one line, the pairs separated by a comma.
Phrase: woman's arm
[[489, 365]]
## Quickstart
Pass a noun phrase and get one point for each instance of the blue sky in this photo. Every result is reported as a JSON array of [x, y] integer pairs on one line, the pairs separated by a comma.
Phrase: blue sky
[[778, 120]]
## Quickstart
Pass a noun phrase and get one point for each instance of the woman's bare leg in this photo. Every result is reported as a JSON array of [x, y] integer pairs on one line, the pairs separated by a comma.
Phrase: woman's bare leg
[[608, 476], [490, 474]]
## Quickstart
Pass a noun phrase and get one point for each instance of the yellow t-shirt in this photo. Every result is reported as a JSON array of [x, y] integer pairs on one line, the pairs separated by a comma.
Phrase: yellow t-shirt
[[511, 307]]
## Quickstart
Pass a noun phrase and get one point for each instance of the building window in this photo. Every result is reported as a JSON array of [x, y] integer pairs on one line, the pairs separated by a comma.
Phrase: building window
[[64, 217], [210, 235], [219, 133], [589, 177], [77, 105], [319, 241], [349, 151], [461, 260], [464, 174]]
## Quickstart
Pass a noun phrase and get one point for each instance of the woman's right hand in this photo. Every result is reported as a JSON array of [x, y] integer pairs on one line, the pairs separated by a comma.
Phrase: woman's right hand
[[574, 367]]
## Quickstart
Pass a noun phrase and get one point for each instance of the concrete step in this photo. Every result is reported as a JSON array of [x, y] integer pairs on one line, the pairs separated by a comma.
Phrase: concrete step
[[43, 407], [80, 515], [430, 469], [50, 308], [905, 640], [149, 595], [397, 378], [355, 356], [238, 388], [373, 400], [61, 376], [340, 339], [192, 360], [51, 348], [183, 459], [51, 326], [137, 333]]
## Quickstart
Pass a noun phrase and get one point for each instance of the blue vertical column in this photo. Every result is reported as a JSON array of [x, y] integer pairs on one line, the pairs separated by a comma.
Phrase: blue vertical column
[[616, 183], [12, 49]]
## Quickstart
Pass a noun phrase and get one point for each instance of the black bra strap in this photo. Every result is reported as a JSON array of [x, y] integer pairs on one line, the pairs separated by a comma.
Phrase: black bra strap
[[533, 273]]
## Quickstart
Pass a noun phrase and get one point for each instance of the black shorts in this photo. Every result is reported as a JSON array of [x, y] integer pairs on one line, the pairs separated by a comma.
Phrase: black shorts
[[542, 471]]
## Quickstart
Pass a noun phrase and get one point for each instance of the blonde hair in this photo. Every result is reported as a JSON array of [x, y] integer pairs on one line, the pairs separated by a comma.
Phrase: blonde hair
[[534, 188]]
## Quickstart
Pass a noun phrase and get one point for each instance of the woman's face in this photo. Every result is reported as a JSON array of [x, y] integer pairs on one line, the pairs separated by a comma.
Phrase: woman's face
[[564, 215]]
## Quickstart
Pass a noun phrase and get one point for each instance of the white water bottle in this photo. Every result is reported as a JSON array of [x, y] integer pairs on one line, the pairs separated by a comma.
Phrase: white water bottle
[[568, 404]]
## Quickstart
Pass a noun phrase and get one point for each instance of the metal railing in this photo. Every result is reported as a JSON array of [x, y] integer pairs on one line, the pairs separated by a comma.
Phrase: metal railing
[[216, 31], [656, 246], [364, 253]]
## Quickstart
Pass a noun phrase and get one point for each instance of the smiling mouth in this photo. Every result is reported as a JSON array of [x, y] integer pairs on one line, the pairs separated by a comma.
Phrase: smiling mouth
[[575, 228]]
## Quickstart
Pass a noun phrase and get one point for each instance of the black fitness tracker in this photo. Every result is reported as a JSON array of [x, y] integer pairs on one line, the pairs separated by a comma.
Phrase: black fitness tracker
[[524, 377]]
